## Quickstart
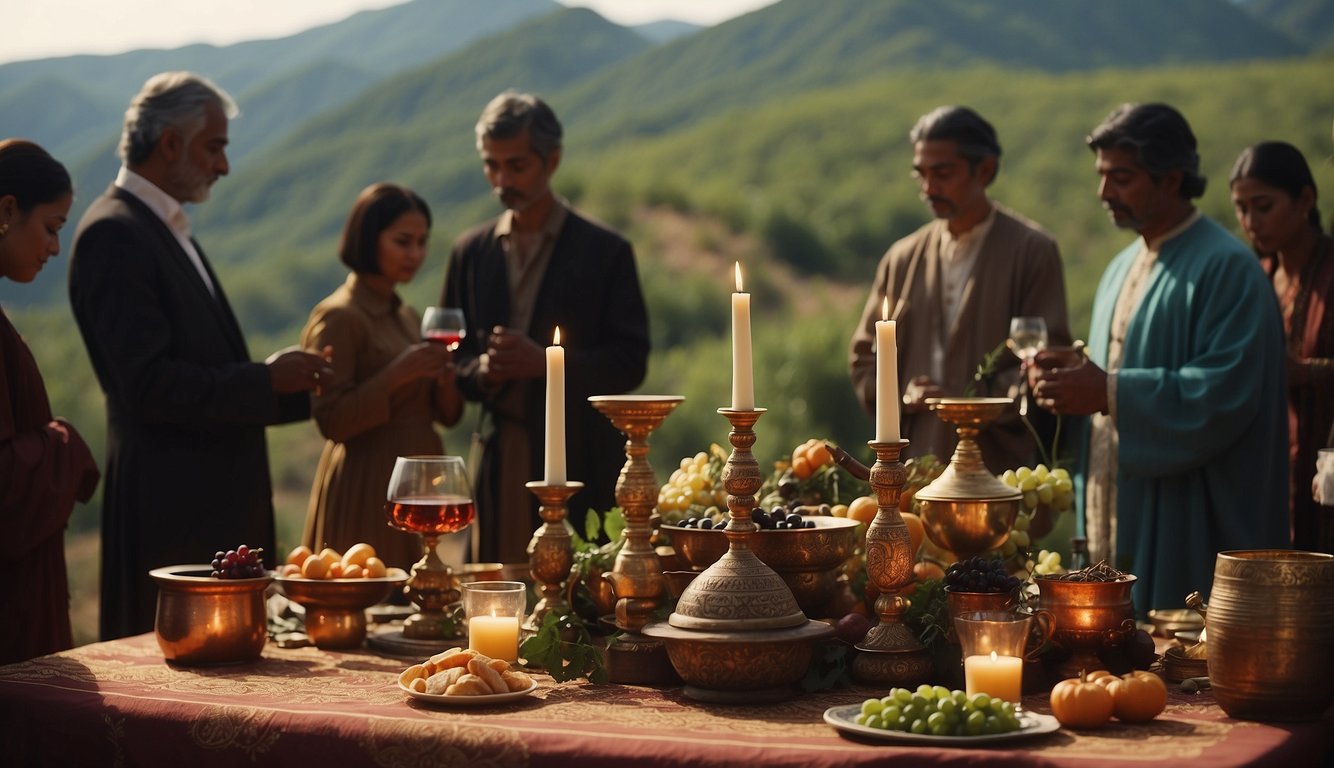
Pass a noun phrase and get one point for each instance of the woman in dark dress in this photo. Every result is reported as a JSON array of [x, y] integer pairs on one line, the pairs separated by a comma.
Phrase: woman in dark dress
[[1274, 195], [45, 466]]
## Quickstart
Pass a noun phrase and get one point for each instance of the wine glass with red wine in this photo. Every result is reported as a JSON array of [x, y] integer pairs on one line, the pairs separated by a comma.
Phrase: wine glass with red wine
[[430, 496], [444, 325]]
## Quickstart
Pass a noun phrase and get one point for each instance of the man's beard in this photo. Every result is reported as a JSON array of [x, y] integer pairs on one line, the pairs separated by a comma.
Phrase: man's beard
[[191, 185]]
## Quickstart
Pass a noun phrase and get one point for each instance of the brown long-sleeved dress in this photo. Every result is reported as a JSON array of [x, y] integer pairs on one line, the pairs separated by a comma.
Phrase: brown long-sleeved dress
[[367, 426], [44, 467]]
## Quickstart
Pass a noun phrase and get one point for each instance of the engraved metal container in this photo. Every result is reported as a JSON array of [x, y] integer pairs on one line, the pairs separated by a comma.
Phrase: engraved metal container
[[1089, 616], [203, 620], [807, 559], [968, 510], [1271, 630], [740, 667], [336, 608]]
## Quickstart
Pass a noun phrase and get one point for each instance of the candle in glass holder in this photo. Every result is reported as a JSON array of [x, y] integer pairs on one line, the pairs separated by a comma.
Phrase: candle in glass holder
[[1000, 677], [554, 469], [886, 378], [494, 636], [743, 382]]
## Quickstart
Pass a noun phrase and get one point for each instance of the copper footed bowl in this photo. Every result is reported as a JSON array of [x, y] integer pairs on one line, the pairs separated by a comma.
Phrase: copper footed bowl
[[1088, 616], [336, 608], [203, 620], [807, 559], [740, 667]]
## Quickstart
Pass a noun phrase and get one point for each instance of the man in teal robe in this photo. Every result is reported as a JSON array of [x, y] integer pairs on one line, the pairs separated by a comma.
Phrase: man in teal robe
[[1184, 453]]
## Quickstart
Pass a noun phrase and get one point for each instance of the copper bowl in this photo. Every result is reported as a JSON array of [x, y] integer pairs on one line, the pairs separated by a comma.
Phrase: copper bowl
[[336, 608], [807, 559], [740, 667], [204, 620]]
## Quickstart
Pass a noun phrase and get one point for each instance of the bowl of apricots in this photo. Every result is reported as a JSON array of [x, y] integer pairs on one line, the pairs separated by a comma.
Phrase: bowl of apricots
[[336, 589]]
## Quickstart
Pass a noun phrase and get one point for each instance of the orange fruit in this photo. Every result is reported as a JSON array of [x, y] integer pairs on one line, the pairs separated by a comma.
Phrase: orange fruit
[[819, 455], [915, 530], [863, 509], [801, 467]]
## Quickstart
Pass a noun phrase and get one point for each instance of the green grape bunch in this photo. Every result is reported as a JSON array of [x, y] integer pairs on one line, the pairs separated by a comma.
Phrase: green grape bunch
[[693, 490], [1042, 486], [939, 711]]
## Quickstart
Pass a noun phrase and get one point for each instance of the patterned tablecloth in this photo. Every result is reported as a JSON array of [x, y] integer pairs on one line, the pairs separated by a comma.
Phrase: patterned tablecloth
[[119, 703]]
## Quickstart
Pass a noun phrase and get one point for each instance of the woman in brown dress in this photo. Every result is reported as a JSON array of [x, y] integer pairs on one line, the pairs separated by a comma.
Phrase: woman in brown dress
[[391, 386], [1274, 195], [45, 466]]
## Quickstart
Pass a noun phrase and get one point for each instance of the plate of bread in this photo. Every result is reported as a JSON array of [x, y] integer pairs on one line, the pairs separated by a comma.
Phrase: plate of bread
[[463, 677]]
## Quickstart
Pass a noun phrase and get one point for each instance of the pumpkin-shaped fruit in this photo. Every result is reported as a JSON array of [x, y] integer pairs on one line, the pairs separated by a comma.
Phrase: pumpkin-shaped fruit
[[1138, 697], [1081, 703]]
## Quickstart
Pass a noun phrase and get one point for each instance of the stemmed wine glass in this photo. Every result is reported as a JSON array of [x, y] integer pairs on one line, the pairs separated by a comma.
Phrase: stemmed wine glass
[[1028, 337], [444, 325], [430, 496]]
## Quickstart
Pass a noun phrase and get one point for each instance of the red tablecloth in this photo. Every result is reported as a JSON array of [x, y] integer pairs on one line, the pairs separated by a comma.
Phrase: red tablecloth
[[119, 703]]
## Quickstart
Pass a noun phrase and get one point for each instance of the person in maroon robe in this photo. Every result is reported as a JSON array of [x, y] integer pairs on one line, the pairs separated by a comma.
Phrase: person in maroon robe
[[45, 466]]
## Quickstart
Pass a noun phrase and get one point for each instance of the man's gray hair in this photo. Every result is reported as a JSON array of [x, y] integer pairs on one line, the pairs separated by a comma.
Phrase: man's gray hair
[[512, 114], [168, 100]]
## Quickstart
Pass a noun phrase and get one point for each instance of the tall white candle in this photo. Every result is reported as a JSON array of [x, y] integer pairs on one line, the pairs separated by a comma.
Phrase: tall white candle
[[886, 378], [743, 382], [555, 450]]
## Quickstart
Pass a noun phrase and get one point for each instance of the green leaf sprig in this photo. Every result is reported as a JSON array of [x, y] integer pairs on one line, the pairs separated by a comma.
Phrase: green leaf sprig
[[564, 648]]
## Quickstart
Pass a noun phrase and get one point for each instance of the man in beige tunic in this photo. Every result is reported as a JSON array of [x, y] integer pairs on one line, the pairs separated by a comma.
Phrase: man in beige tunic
[[953, 286]]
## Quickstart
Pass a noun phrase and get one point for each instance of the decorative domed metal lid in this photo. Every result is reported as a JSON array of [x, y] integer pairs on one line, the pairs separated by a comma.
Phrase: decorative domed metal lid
[[737, 593]]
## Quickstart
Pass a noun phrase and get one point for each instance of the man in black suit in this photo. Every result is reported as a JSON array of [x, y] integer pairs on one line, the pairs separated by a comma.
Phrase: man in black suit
[[538, 266], [187, 468]]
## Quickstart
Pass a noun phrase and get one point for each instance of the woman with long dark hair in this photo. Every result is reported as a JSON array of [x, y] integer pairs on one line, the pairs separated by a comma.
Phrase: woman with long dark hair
[[1274, 195]]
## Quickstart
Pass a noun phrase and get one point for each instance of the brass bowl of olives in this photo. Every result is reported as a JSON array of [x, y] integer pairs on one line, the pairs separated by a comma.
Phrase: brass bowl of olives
[[807, 559], [202, 619]]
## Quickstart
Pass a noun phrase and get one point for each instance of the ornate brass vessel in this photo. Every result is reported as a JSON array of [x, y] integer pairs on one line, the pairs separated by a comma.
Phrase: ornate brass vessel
[[203, 620], [738, 613], [550, 553], [1271, 630], [336, 608], [1089, 616], [967, 510]]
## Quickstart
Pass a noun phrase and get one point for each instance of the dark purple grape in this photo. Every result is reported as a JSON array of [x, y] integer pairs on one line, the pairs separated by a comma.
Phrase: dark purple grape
[[794, 520], [706, 524]]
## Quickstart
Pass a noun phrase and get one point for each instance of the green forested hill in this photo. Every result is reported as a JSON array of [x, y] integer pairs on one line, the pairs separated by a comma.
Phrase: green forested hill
[[1309, 21]]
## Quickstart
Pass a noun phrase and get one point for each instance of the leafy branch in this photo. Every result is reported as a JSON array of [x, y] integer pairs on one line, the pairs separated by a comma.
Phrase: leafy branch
[[564, 648]]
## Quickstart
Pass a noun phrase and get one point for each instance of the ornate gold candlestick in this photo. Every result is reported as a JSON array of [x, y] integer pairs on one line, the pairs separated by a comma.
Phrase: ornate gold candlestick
[[890, 654], [637, 575], [549, 553], [738, 635]]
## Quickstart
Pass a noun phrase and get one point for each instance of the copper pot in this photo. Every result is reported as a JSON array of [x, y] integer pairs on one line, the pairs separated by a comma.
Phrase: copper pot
[[1271, 627], [204, 620], [959, 603], [1088, 616]]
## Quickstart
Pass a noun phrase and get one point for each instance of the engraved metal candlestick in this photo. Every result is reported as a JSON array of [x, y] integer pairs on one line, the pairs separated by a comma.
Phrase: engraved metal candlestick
[[890, 654], [637, 575], [737, 634], [550, 554]]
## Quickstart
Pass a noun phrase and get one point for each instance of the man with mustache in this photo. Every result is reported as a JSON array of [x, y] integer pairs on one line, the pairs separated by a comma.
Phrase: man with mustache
[[539, 266], [953, 286], [187, 464], [1186, 452]]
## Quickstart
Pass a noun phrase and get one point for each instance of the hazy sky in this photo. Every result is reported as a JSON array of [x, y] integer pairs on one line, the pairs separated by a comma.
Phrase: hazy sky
[[41, 28]]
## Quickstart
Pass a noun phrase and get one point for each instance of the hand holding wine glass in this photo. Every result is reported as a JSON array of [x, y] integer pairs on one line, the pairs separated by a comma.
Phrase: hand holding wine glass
[[1028, 337], [444, 325]]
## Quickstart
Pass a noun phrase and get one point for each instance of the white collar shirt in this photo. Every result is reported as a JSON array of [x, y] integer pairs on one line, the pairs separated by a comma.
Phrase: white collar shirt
[[171, 212]]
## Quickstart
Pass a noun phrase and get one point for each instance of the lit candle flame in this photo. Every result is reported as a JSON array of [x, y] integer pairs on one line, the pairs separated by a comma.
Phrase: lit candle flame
[[738, 277], [884, 309], [555, 338]]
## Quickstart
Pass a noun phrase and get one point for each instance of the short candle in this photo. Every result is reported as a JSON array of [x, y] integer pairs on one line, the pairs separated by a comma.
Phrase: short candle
[[1000, 677], [494, 636]]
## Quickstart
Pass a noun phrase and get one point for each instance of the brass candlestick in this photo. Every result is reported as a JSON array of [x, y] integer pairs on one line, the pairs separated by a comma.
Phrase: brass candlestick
[[739, 592], [637, 576], [890, 655], [549, 553]]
